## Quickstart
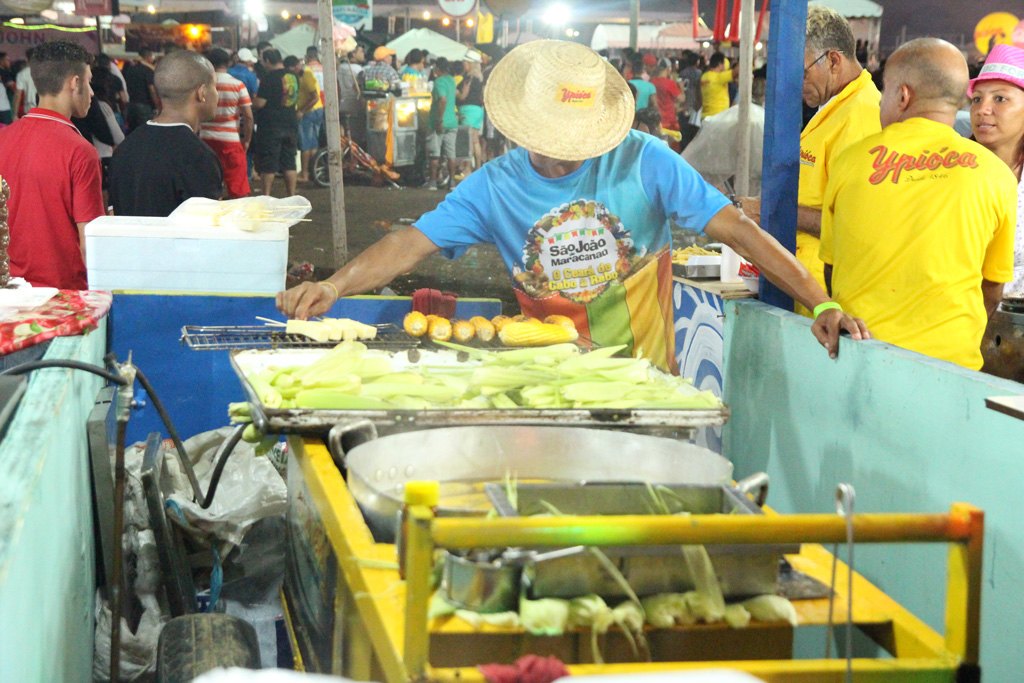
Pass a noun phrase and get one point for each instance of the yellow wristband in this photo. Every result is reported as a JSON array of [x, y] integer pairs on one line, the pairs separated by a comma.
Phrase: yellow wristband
[[330, 284], [825, 306]]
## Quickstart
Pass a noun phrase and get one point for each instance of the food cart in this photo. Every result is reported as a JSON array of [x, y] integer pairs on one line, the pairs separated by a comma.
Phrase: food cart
[[393, 125]]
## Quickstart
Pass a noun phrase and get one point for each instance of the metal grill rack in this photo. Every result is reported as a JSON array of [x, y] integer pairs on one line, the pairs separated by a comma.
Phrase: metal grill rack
[[219, 338]]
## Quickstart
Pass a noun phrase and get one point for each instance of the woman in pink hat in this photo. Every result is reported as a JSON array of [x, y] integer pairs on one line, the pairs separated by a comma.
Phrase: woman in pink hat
[[997, 119]]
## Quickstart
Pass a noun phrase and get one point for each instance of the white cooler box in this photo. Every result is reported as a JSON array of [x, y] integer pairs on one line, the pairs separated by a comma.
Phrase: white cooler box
[[163, 255]]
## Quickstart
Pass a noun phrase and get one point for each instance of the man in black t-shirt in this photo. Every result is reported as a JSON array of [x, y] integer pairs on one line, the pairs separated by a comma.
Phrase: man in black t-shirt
[[142, 96], [163, 162], [277, 126]]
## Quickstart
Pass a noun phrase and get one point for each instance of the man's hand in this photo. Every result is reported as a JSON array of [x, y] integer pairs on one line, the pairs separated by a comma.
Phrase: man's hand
[[831, 323], [306, 300], [751, 207]]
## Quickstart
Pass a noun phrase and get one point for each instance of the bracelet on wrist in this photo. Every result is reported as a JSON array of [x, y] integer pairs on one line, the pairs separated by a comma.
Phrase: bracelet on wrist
[[328, 283], [821, 308]]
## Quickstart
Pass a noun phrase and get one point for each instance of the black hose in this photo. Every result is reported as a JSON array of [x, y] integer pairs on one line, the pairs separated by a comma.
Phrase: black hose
[[225, 450], [31, 365], [186, 462]]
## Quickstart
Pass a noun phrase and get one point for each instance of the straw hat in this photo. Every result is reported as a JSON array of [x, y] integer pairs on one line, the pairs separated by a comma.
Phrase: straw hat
[[559, 99]]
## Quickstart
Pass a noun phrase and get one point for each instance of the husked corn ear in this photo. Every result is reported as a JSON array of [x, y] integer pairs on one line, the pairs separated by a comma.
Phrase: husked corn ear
[[499, 321], [524, 319], [562, 320], [415, 323], [463, 331], [535, 334], [438, 328], [484, 328]]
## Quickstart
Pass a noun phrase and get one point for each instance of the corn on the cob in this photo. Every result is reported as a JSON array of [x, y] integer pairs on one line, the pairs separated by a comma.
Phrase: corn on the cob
[[463, 331], [415, 324], [484, 328], [562, 320], [499, 321], [535, 334], [522, 318], [438, 328]]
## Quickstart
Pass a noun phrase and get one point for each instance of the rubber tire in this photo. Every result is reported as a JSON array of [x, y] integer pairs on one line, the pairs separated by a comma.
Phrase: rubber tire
[[193, 644]]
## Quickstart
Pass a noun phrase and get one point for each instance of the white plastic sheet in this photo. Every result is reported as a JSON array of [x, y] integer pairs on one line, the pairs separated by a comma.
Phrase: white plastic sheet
[[251, 214]]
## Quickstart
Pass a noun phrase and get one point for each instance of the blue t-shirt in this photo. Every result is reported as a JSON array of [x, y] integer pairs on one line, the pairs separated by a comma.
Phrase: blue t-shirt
[[644, 90], [581, 240], [248, 78]]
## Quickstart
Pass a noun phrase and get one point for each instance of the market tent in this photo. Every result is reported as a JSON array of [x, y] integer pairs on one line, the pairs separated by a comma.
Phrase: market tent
[[296, 40], [616, 36], [434, 43], [865, 17], [852, 9]]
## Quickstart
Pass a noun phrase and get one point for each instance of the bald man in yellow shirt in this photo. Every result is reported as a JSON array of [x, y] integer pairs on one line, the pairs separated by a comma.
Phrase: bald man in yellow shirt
[[918, 222], [848, 112]]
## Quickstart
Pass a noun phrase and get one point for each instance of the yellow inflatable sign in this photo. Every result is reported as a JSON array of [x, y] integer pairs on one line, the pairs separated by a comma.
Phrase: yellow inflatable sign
[[994, 29]]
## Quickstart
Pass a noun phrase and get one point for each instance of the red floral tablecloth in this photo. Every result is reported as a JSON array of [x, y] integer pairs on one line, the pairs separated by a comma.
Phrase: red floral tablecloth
[[68, 313]]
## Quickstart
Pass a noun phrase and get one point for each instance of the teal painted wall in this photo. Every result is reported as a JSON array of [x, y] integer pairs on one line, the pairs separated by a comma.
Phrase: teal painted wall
[[47, 560], [910, 433]]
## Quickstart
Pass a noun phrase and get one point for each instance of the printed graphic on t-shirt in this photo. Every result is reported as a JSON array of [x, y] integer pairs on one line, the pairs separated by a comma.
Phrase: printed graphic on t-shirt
[[290, 90], [576, 250]]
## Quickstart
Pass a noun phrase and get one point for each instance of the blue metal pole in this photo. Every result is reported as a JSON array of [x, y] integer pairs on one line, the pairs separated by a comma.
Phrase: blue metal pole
[[782, 126]]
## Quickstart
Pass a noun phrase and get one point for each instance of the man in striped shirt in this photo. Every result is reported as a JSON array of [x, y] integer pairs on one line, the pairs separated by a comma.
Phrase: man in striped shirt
[[229, 134]]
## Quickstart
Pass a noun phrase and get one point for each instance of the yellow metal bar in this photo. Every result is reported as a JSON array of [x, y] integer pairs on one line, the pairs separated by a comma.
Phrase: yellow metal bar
[[963, 588], [419, 563], [297, 662], [770, 671], [697, 529], [370, 587]]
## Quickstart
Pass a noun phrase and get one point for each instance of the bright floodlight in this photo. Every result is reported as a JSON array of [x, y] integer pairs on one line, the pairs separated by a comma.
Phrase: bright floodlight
[[426, 14], [254, 7], [556, 14]]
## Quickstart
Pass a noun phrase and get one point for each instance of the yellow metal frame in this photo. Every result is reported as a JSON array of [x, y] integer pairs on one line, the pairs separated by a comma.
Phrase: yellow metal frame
[[393, 632]]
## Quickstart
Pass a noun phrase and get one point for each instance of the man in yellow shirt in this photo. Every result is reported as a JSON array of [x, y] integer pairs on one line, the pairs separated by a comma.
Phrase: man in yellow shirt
[[309, 107], [918, 222], [847, 102], [714, 86]]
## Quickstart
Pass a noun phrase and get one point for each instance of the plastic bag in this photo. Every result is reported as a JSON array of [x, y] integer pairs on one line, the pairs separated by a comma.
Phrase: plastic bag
[[250, 489], [251, 214], [714, 152]]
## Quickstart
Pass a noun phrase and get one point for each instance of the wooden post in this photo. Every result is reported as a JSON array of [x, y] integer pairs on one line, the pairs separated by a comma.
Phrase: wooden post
[[634, 23], [746, 63], [332, 120]]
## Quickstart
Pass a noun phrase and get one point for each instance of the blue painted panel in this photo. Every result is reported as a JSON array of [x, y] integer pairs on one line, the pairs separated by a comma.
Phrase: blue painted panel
[[911, 433], [782, 125], [47, 554], [196, 386], [698, 327]]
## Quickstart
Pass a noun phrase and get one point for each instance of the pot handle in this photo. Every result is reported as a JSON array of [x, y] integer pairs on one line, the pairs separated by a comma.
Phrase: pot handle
[[363, 428], [755, 482]]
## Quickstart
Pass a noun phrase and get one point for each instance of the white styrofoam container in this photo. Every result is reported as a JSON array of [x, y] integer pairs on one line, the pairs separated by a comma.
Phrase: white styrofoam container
[[164, 255]]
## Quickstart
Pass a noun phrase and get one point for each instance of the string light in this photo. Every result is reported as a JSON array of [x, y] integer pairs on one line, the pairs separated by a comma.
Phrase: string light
[[446, 22], [469, 23], [426, 16]]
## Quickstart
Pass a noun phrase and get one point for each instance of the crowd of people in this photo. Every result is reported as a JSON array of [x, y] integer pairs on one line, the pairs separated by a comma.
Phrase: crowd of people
[[911, 227]]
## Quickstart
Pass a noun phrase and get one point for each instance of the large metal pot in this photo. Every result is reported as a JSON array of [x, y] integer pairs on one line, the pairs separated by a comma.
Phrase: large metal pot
[[379, 467]]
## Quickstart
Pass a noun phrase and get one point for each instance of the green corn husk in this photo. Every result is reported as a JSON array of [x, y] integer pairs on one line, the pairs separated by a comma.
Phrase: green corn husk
[[332, 399], [268, 395]]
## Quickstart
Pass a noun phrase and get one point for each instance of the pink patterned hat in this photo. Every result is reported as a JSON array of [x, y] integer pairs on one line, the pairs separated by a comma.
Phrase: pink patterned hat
[[1004, 63]]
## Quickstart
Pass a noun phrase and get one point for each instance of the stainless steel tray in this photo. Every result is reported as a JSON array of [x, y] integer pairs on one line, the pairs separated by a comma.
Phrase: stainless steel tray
[[318, 422], [743, 570]]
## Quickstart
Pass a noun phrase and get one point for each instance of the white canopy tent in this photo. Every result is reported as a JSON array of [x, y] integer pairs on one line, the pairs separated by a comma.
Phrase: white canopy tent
[[295, 40], [649, 37], [434, 43]]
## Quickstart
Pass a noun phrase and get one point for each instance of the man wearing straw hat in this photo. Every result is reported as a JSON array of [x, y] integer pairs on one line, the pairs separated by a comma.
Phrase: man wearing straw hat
[[579, 212]]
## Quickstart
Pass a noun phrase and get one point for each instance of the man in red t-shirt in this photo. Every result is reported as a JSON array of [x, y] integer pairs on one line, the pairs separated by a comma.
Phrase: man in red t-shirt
[[670, 98], [53, 172]]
